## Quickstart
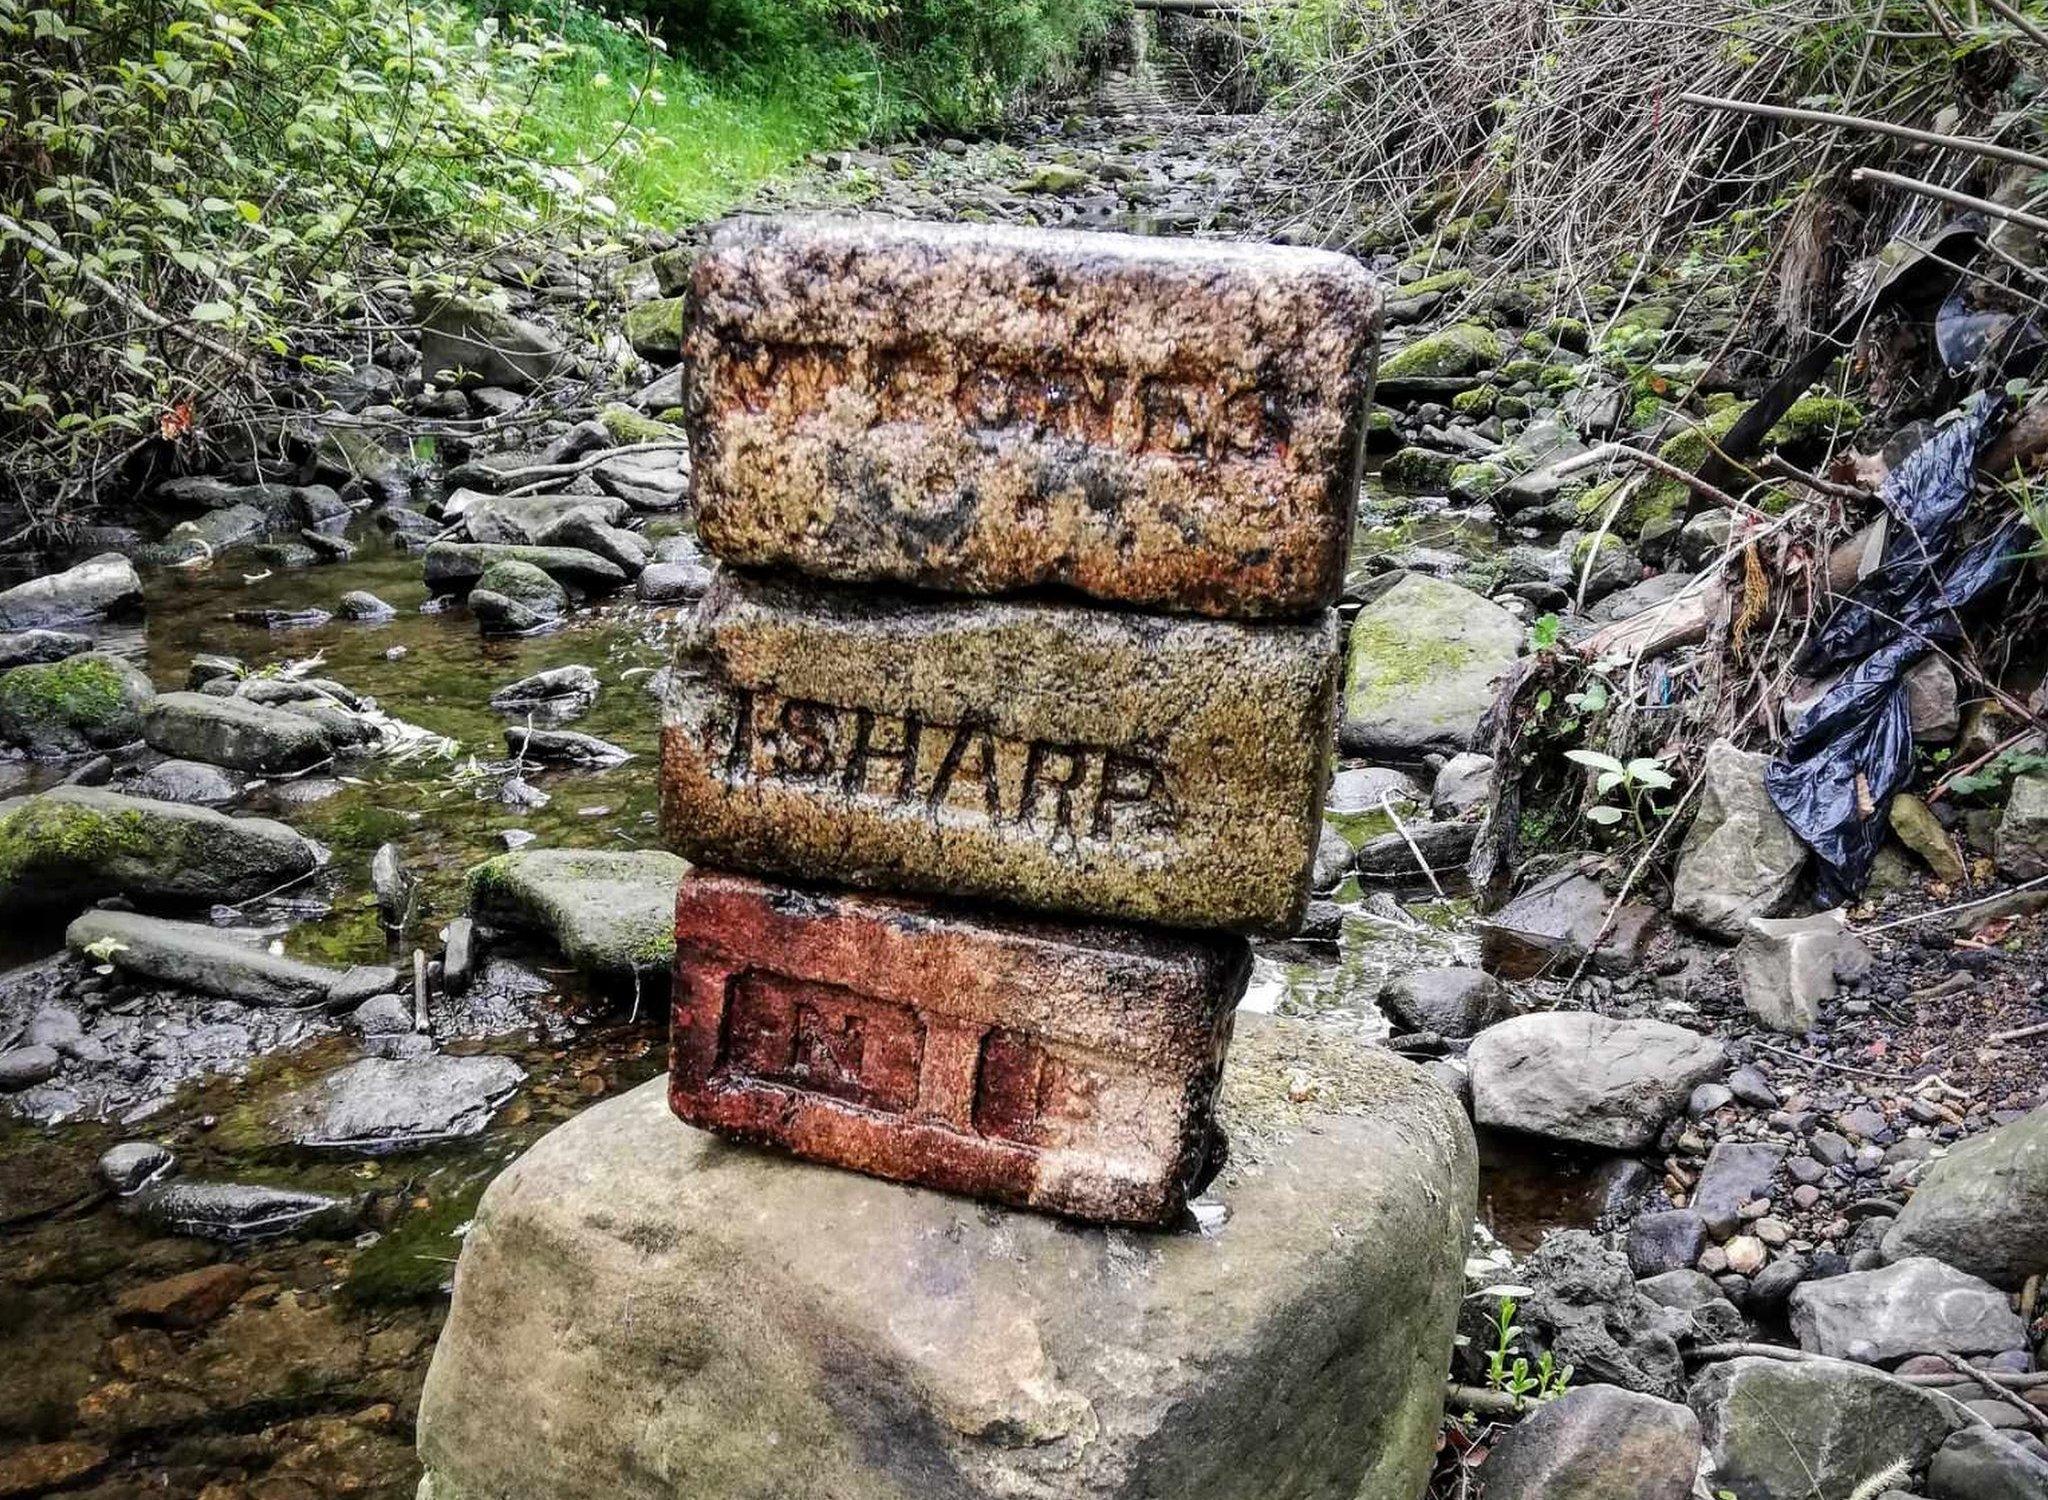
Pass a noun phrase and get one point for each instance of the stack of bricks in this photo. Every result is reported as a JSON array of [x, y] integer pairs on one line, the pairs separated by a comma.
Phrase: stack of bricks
[[1009, 716]]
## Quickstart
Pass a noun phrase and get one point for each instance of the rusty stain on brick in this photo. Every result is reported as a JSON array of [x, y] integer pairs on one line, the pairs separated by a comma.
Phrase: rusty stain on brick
[[1170, 423], [1059, 757], [1070, 1068]]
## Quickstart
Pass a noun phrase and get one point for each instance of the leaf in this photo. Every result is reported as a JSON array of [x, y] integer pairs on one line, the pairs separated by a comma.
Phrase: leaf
[[212, 312], [1605, 816], [1594, 759], [1607, 781]]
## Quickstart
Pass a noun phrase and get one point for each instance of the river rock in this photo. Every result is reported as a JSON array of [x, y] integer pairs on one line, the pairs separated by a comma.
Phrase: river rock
[[1574, 1076], [1737, 1172], [1780, 1431], [626, 550], [189, 1300], [1422, 666], [380, 1105], [1450, 1002], [554, 696], [1403, 854], [1065, 757], [1551, 926], [610, 913], [1983, 1208], [234, 732], [469, 341], [1913, 1306], [1597, 1443], [1788, 965], [1931, 709], [563, 747], [361, 604], [1586, 1309], [193, 782], [1296, 1349], [1333, 860], [646, 481], [211, 961], [71, 845], [1174, 423], [83, 703], [673, 582], [458, 567], [1463, 785], [1980, 1464], [1665, 1242], [2022, 838], [21, 648], [1740, 859], [133, 1165], [25, 1067], [98, 587], [235, 1211], [1915, 825], [515, 597]]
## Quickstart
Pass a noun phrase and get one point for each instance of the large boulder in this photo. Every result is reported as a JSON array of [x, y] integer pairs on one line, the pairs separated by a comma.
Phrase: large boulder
[[1451, 1002], [1422, 663], [72, 845], [1787, 966], [514, 597], [234, 732], [1983, 1208], [1815, 1430], [1562, 920], [643, 1311], [610, 912], [211, 961], [1914, 1306], [99, 586], [83, 703], [457, 567], [1740, 859], [1584, 1306], [1597, 1443], [1574, 1076], [467, 339]]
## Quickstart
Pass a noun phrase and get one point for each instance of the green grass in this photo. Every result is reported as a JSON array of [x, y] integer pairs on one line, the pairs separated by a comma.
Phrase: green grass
[[691, 146]]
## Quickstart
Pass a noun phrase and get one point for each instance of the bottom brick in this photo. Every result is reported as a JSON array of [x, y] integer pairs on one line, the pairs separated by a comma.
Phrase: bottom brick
[[1065, 1067]]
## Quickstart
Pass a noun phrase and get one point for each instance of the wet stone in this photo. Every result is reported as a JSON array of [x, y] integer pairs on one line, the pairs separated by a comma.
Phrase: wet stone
[[383, 1104], [1065, 1068], [234, 1211], [1051, 756], [1155, 421], [135, 1164]]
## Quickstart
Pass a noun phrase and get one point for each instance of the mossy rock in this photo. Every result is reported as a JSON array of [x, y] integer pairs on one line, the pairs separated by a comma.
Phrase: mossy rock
[[1475, 483], [1454, 280], [1477, 402], [83, 703], [628, 426], [525, 584], [1569, 334], [1813, 420], [655, 330], [1419, 471], [1515, 370], [1461, 349], [611, 913], [1513, 407]]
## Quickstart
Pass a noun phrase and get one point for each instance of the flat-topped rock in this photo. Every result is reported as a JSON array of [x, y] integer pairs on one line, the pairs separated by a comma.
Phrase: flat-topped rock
[[1167, 422], [1056, 757], [611, 912], [99, 586], [215, 961], [457, 567], [1574, 1076], [643, 1310], [234, 732], [71, 845]]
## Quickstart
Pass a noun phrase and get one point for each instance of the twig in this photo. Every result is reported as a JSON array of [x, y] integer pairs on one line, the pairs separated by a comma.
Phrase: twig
[[538, 476], [1840, 1067], [1949, 911], [2020, 1034], [1709, 492], [1387, 805], [1877, 127], [1941, 787], [1485, 1403], [2024, 23], [1952, 197], [2036, 1419], [1777, 464], [419, 990]]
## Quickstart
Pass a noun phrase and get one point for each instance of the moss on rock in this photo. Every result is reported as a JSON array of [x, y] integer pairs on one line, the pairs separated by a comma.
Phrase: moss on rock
[[1461, 349], [86, 702]]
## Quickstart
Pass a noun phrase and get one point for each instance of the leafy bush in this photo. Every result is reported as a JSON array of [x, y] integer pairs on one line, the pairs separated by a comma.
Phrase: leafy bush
[[193, 191]]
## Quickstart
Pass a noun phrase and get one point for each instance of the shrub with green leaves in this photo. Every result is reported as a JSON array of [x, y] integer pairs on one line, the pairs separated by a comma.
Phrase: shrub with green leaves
[[194, 192]]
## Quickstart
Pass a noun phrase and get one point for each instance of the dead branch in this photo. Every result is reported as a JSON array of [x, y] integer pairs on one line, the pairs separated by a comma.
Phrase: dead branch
[[1953, 198], [1876, 127]]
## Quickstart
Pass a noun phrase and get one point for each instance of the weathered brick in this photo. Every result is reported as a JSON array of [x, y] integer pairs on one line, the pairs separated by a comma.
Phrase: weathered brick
[[1070, 1068], [1052, 756], [1172, 423]]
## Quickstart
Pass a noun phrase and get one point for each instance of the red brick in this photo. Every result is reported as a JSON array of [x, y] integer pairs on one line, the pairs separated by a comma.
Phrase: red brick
[[1069, 1068]]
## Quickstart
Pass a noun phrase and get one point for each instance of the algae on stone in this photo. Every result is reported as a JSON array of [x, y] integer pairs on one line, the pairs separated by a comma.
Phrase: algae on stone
[[1461, 349]]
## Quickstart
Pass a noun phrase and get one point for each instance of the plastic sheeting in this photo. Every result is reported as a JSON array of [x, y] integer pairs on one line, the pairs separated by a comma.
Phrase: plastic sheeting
[[1842, 764]]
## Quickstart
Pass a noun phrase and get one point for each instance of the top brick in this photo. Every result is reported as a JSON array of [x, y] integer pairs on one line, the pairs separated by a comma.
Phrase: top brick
[[1169, 423]]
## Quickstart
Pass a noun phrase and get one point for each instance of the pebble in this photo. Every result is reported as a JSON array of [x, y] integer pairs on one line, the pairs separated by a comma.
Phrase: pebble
[[1707, 1098], [1745, 1254], [1752, 1088], [135, 1164]]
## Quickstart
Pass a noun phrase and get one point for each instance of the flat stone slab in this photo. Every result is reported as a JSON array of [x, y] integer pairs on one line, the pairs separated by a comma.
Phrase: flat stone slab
[[383, 1104], [71, 845], [103, 585], [1574, 1076], [1056, 757], [211, 961], [238, 733], [1071, 1068], [1166, 422], [611, 912], [643, 1310], [1913, 1306]]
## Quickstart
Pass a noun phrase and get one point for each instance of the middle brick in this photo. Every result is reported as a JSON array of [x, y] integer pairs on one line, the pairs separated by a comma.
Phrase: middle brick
[[1058, 757]]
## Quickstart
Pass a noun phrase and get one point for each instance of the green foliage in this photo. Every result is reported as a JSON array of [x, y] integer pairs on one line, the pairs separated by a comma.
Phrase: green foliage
[[1513, 1376], [1993, 777], [1638, 780]]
